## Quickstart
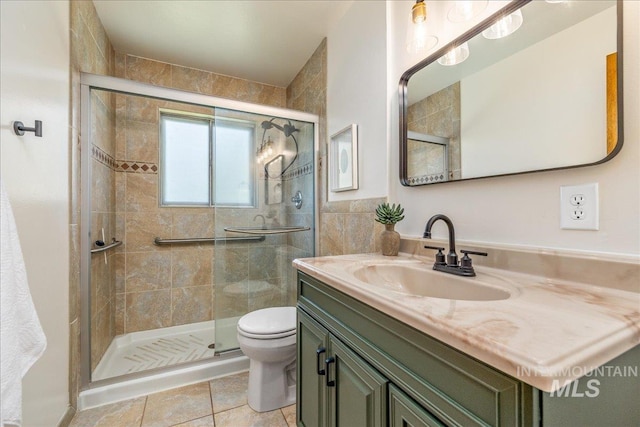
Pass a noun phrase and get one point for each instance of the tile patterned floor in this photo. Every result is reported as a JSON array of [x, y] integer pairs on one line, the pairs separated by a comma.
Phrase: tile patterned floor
[[221, 403]]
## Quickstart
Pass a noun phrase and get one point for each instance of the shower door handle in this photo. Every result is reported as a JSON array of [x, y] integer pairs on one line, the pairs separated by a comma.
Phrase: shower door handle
[[318, 353], [329, 361]]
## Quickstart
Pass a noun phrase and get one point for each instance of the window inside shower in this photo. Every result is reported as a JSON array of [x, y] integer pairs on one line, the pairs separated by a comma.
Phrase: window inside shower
[[183, 232], [190, 173]]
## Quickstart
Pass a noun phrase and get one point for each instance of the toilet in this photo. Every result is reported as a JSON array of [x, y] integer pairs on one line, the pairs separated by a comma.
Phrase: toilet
[[268, 338]]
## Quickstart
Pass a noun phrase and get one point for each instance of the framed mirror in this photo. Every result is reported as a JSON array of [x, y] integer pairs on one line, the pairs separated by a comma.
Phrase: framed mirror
[[548, 96]]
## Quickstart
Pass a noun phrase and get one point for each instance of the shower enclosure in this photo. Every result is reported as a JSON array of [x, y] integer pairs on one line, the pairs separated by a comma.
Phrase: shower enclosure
[[193, 208]]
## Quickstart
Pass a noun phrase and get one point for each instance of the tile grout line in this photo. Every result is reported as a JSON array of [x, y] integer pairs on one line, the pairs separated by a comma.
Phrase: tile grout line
[[144, 409], [213, 415], [192, 419]]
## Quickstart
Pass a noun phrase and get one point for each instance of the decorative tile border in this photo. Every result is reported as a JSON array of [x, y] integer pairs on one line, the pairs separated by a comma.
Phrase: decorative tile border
[[423, 179], [136, 167], [306, 169], [129, 166], [133, 166], [103, 157]]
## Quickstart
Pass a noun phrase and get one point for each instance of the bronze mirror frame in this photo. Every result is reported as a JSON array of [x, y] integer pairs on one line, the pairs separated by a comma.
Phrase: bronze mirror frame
[[511, 7]]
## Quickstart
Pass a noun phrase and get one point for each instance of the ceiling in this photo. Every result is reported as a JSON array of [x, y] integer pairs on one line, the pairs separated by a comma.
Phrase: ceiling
[[261, 40]]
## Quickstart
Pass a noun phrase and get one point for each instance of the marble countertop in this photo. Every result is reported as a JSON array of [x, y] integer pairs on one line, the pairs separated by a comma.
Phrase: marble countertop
[[547, 333]]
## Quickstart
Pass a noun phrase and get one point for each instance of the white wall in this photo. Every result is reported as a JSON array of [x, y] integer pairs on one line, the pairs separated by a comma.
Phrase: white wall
[[35, 85], [524, 210], [356, 89], [501, 139]]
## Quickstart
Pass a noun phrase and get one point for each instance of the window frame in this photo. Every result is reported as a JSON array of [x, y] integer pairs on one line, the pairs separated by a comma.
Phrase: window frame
[[163, 112]]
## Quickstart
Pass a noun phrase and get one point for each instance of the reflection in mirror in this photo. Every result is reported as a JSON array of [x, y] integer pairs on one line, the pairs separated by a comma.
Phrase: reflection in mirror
[[273, 180], [431, 158], [541, 98]]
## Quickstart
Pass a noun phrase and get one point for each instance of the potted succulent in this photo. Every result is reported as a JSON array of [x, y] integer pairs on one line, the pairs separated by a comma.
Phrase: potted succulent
[[389, 216]]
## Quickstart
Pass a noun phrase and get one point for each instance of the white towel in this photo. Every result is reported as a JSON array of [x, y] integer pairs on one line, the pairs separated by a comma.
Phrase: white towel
[[22, 340]]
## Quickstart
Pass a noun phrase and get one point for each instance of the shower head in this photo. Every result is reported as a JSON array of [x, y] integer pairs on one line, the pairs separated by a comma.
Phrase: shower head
[[269, 124], [289, 130]]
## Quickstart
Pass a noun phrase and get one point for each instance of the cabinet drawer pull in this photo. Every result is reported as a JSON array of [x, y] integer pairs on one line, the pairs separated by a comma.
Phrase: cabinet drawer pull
[[318, 353], [327, 362]]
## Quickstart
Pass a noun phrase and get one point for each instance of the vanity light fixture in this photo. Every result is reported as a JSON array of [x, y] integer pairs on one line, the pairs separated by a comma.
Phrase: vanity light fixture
[[418, 40], [505, 26], [455, 55], [265, 150], [463, 11]]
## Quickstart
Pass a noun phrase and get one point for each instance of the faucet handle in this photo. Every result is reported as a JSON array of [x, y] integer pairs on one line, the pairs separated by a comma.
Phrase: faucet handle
[[439, 256], [465, 252], [466, 262]]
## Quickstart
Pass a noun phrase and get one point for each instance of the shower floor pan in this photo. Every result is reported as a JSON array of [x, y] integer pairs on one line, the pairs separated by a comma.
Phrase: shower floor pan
[[184, 346], [156, 348]]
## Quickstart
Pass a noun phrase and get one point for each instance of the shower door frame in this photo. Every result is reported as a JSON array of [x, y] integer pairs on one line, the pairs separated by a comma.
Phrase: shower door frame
[[128, 87]]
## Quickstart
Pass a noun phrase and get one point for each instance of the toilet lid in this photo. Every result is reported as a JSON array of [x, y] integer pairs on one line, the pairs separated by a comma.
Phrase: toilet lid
[[278, 321]]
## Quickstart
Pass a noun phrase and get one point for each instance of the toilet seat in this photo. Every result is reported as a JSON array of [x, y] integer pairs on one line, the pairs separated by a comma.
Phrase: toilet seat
[[268, 323]]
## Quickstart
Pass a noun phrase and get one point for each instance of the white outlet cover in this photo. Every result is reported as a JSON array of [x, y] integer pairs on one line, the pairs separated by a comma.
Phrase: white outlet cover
[[590, 220]]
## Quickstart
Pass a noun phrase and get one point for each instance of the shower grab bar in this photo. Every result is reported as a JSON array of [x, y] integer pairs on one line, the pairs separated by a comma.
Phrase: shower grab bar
[[272, 230], [214, 240], [106, 248]]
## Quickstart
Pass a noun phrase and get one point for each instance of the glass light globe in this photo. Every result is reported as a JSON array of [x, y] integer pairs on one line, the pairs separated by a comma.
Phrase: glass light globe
[[505, 26], [455, 55]]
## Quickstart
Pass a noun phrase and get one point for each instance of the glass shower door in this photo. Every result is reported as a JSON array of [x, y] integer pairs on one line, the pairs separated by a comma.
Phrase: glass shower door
[[261, 162], [149, 280]]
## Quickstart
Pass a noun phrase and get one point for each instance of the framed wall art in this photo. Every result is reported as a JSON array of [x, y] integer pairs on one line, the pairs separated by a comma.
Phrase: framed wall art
[[343, 159]]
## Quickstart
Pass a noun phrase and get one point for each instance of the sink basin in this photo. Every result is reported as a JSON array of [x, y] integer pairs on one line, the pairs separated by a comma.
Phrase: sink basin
[[421, 281]]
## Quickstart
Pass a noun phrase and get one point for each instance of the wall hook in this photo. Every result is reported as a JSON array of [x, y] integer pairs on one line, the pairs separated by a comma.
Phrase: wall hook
[[19, 129]]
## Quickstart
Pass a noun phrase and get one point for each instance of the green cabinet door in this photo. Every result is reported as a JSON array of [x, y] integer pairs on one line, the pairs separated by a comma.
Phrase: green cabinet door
[[357, 393], [313, 341], [404, 412]]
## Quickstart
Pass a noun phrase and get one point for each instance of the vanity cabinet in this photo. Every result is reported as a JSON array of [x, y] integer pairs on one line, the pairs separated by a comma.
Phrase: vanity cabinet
[[387, 373], [338, 388], [405, 412]]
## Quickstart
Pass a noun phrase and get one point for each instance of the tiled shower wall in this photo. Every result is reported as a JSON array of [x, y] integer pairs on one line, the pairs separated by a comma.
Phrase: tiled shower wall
[[103, 224], [91, 52], [298, 177], [439, 115], [345, 227], [156, 286]]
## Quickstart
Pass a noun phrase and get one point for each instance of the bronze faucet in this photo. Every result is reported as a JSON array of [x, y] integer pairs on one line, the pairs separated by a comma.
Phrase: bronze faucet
[[451, 265]]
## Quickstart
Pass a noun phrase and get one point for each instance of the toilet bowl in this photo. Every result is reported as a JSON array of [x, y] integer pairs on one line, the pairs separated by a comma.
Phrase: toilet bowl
[[268, 338]]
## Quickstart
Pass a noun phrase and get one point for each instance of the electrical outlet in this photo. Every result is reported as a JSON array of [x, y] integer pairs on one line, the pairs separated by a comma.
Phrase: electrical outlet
[[577, 199], [576, 214], [579, 207]]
